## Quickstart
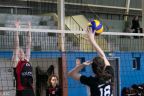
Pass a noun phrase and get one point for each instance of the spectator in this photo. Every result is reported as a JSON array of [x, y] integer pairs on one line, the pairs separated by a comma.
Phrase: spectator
[[125, 91], [53, 88], [136, 26], [128, 29], [41, 79], [135, 90]]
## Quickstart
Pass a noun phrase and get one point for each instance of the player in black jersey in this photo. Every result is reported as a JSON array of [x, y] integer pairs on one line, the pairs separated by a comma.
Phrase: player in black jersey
[[101, 84]]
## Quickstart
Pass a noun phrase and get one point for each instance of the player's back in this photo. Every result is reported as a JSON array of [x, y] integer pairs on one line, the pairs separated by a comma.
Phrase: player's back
[[100, 88]]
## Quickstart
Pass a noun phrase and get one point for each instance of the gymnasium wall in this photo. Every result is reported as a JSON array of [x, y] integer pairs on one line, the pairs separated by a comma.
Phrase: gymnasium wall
[[128, 75]]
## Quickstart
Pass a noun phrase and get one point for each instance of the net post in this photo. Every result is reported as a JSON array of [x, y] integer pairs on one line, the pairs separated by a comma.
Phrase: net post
[[61, 26], [127, 9]]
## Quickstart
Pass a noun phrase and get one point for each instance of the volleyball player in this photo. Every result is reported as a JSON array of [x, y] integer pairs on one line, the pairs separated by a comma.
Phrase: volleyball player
[[101, 84], [21, 65]]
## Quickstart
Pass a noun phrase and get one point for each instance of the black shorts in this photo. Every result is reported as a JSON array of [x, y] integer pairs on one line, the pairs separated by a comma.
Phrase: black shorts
[[25, 92]]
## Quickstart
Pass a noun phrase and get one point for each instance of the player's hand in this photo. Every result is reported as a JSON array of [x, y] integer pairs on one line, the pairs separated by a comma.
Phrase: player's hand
[[90, 33], [87, 63], [17, 24], [78, 62]]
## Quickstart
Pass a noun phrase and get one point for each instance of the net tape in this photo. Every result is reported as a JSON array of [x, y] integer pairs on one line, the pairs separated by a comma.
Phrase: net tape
[[68, 31]]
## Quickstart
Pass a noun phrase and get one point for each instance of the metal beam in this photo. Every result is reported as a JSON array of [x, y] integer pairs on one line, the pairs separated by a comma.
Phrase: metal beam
[[61, 20], [61, 26], [142, 14], [11, 6], [127, 6], [90, 5], [127, 9]]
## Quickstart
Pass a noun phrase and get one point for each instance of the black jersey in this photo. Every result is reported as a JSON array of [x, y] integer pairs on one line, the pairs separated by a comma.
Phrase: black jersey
[[24, 79], [50, 91], [98, 88]]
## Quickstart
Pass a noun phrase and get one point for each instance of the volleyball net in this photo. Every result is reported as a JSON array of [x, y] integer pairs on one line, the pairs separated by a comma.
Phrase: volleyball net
[[124, 50]]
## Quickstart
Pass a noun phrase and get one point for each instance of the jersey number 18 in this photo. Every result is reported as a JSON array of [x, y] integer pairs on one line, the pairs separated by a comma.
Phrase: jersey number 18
[[105, 91]]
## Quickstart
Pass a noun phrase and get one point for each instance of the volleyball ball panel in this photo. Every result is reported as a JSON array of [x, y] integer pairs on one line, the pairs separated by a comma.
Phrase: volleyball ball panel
[[96, 26]]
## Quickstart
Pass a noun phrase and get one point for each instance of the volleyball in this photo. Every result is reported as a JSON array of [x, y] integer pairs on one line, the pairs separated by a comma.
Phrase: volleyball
[[96, 26]]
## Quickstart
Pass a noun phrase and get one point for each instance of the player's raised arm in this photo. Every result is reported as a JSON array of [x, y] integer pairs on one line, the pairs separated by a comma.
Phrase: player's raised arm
[[28, 45], [16, 45], [74, 73], [96, 46]]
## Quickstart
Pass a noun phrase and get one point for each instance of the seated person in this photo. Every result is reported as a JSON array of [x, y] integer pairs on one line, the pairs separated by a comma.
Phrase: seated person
[[128, 29]]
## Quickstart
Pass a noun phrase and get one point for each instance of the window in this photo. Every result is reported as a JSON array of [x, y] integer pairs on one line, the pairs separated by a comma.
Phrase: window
[[136, 63]]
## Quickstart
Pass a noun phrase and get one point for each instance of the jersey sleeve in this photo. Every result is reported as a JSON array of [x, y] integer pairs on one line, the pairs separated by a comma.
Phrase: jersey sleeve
[[85, 80]]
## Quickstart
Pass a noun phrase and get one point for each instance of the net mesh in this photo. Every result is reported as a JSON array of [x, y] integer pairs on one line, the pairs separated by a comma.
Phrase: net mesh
[[125, 52], [49, 40]]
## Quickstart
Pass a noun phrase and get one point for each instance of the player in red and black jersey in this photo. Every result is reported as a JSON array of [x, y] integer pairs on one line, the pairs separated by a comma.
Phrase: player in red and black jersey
[[21, 65], [101, 84]]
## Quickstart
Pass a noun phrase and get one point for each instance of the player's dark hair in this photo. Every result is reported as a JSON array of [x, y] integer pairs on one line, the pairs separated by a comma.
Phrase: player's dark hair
[[125, 91], [98, 67]]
